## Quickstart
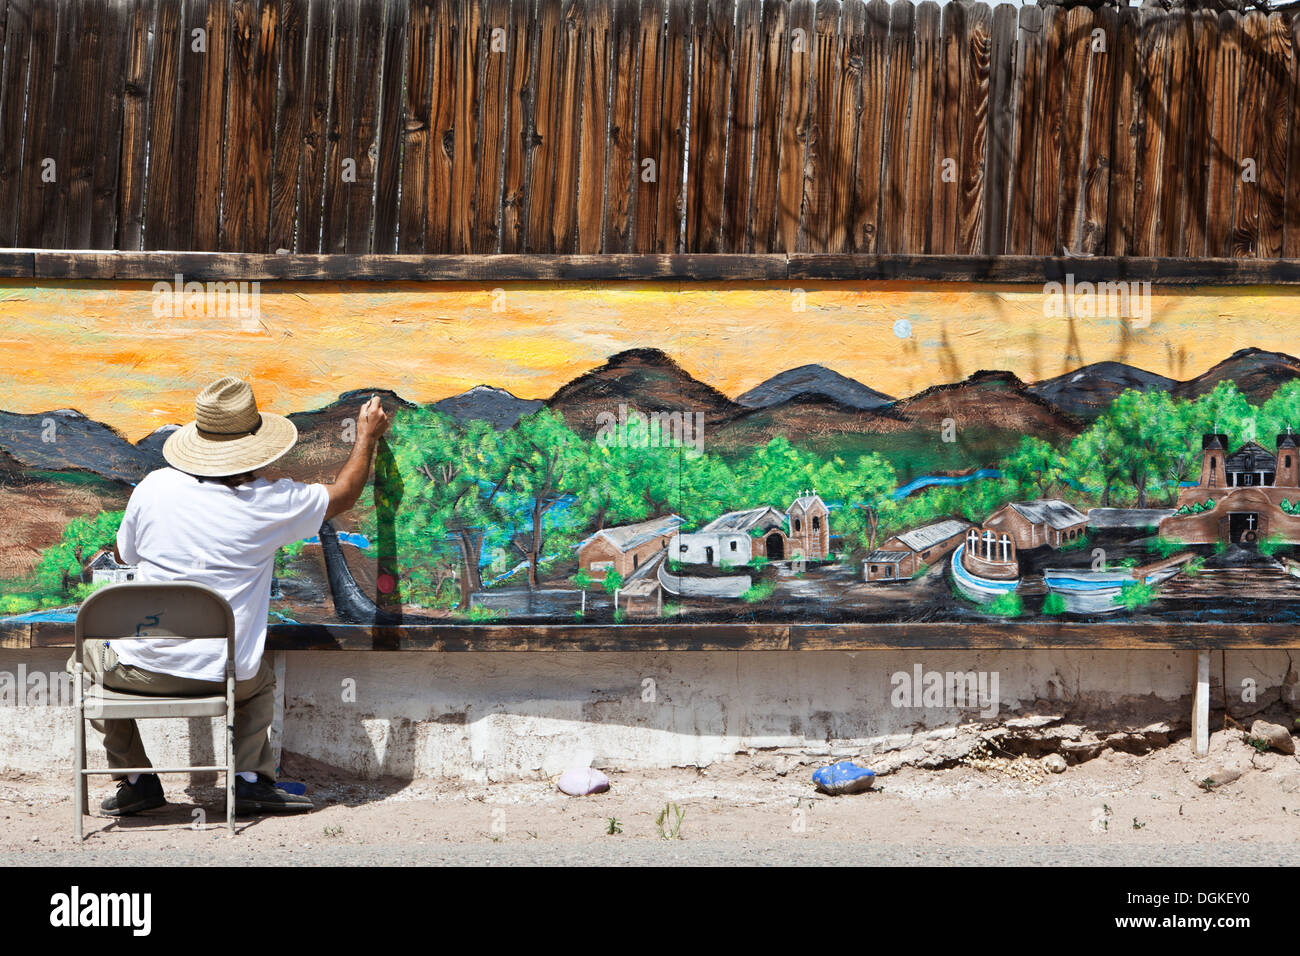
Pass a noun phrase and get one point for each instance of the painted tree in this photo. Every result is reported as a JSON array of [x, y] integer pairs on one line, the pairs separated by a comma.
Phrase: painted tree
[[548, 463], [62, 565], [1146, 428], [1035, 465], [452, 477], [862, 490], [1094, 459], [778, 472]]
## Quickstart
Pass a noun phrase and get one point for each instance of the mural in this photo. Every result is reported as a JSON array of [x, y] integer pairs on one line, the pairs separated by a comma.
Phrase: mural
[[849, 452]]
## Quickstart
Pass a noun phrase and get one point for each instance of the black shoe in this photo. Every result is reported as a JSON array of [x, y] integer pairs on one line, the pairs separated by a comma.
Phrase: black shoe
[[145, 794], [265, 797]]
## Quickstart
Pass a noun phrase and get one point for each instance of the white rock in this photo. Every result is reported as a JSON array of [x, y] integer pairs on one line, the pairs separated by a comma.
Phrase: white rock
[[1055, 763]]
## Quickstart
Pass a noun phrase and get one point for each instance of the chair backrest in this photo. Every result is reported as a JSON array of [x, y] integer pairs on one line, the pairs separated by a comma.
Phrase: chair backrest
[[174, 609]]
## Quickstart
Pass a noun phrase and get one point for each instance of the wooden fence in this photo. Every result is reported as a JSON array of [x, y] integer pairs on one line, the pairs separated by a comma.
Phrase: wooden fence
[[639, 126]]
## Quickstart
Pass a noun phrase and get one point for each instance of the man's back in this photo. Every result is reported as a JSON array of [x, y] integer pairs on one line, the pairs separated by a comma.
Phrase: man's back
[[178, 527]]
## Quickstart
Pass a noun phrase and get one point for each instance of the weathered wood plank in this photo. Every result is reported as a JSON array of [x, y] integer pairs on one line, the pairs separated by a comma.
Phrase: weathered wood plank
[[1094, 198], [1002, 124], [263, 112], [1291, 205], [975, 128], [772, 82], [594, 132], [1047, 178], [711, 39], [294, 41], [391, 131], [1074, 132], [1275, 119], [946, 195], [795, 121], [1034, 270], [621, 167], [315, 131], [344, 168], [236, 201], [519, 125], [163, 203], [36, 198], [1027, 105], [565, 139], [844, 128], [442, 111], [1250, 134], [1153, 82], [897, 154], [363, 143], [85, 108], [923, 108], [638, 638], [593, 142], [670, 210], [742, 127], [1224, 169], [1177, 150], [548, 116], [1124, 135], [497, 53], [823, 92], [417, 138], [471, 46], [108, 134], [13, 103], [1205, 38]]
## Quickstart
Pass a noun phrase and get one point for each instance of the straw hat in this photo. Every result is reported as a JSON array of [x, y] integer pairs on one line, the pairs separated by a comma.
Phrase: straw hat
[[229, 436]]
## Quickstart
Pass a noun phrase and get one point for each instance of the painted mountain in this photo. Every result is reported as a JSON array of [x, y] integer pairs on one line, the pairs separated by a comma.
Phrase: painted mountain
[[1257, 374], [65, 439], [813, 380], [1087, 391], [645, 379], [486, 403]]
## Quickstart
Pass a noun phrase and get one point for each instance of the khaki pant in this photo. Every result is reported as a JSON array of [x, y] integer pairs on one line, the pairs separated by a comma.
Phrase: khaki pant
[[254, 709]]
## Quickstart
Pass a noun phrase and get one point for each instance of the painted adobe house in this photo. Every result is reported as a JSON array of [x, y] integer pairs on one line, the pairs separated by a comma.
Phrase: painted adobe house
[[1048, 522], [626, 547], [711, 547], [904, 554], [104, 568], [764, 526], [739, 536], [1242, 497]]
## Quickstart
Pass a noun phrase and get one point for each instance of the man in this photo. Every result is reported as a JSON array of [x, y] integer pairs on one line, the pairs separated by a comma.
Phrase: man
[[211, 519]]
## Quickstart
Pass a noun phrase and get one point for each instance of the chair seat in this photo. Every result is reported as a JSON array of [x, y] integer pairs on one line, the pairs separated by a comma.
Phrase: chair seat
[[117, 705]]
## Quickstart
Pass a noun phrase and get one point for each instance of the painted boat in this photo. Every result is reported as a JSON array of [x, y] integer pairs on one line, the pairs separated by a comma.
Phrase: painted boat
[[978, 589], [686, 585], [1096, 592]]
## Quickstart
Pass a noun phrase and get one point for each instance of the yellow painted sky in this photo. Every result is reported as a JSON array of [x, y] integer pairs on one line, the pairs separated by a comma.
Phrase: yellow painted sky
[[99, 348]]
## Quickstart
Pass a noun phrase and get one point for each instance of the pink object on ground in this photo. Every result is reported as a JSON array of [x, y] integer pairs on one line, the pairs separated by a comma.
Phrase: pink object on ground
[[583, 781]]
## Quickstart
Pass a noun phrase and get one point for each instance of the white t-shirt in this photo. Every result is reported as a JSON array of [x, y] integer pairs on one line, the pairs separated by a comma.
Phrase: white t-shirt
[[178, 528]]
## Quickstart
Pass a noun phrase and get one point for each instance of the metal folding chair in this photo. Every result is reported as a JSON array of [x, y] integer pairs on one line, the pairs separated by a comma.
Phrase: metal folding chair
[[171, 610]]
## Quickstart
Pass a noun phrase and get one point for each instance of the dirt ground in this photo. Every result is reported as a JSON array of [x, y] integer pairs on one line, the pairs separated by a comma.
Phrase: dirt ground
[[1158, 798]]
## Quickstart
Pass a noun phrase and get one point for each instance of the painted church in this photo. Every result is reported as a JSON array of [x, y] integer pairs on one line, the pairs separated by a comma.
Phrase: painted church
[[1242, 497]]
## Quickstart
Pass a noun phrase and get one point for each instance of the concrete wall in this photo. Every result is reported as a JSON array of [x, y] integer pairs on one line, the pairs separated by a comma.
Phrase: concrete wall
[[494, 716]]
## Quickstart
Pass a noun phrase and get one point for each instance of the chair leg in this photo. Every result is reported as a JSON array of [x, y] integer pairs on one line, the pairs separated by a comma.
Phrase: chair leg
[[230, 775], [79, 788]]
